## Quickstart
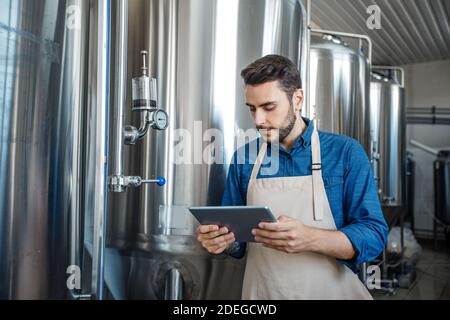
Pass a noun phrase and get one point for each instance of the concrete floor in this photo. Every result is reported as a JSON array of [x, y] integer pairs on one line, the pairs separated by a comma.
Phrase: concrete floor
[[433, 277]]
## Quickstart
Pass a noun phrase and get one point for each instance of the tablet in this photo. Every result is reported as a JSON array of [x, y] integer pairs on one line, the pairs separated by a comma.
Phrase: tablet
[[239, 220]]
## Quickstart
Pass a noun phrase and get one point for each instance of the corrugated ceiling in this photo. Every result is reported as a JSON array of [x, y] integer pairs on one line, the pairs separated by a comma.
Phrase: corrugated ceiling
[[411, 31]]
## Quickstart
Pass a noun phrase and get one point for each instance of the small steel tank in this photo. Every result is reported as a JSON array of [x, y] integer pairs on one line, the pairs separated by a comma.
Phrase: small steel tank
[[387, 131], [339, 88]]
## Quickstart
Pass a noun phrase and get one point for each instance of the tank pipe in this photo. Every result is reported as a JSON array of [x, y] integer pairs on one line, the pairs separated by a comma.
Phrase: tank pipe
[[427, 120], [428, 111], [307, 64], [431, 115], [133, 135], [350, 35], [103, 66], [120, 90], [145, 125], [399, 69], [424, 147], [173, 285]]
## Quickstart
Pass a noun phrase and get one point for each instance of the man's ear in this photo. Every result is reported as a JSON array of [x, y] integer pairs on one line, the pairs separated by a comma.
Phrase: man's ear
[[298, 100]]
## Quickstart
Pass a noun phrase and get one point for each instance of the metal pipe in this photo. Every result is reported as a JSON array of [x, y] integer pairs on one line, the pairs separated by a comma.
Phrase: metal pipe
[[132, 134], [427, 120], [120, 90], [173, 285], [145, 125], [75, 52], [307, 63], [424, 147], [350, 35], [428, 111], [400, 69], [101, 143]]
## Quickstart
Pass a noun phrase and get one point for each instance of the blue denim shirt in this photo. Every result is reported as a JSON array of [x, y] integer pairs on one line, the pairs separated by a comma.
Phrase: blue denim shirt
[[349, 184]]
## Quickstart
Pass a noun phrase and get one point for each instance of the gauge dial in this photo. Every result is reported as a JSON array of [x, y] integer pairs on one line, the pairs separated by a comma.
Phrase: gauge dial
[[160, 120]]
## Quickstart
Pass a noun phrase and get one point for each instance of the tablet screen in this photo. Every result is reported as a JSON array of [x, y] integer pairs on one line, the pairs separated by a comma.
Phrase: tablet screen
[[240, 220]]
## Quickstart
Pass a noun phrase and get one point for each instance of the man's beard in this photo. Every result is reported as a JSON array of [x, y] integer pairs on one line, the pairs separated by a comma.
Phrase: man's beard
[[288, 125]]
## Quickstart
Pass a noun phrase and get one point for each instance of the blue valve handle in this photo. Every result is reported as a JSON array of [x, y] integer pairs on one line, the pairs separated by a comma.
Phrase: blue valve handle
[[160, 181]]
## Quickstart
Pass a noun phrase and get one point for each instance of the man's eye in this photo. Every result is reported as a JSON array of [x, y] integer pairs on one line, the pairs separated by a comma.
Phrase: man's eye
[[252, 109], [269, 108]]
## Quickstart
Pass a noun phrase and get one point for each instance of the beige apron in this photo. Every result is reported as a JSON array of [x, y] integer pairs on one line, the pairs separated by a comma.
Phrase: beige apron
[[272, 274]]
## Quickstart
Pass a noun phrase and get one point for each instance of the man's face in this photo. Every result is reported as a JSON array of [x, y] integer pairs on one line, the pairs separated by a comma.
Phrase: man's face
[[274, 115]]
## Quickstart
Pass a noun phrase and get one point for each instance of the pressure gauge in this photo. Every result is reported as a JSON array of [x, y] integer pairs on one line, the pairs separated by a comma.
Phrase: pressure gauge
[[160, 120]]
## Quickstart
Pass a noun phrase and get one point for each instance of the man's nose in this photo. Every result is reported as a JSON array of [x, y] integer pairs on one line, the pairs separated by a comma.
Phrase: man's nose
[[260, 118]]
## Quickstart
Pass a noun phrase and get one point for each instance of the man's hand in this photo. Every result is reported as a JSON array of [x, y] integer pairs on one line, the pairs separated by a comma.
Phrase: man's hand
[[292, 236], [288, 235], [214, 239]]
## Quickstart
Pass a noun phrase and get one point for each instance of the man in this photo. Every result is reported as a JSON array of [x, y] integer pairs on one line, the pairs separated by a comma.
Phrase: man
[[324, 194]]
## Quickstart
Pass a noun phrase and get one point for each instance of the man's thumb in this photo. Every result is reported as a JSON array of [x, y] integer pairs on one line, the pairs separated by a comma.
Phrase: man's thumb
[[283, 218]]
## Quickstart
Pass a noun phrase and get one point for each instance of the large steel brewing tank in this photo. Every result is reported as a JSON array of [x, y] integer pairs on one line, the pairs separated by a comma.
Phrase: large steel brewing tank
[[339, 88], [387, 129], [43, 60], [197, 49]]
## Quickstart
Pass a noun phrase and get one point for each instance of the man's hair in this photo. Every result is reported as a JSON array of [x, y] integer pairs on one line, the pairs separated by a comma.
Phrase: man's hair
[[274, 68]]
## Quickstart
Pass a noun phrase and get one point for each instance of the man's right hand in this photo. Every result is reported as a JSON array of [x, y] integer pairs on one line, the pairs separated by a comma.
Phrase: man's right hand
[[214, 239]]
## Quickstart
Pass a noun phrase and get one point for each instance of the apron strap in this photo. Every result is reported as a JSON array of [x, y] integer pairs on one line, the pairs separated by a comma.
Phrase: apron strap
[[317, 181], [259, 159]]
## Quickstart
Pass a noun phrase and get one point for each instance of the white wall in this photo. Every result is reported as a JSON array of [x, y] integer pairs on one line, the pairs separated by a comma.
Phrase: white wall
[[427, 84]]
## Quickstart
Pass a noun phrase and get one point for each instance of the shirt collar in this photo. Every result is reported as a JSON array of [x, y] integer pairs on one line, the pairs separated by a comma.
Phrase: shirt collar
[[304, 140]]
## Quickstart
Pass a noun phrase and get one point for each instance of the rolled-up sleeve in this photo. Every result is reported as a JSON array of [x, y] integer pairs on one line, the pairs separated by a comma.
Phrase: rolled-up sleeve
[[364, 223], [232, 196]]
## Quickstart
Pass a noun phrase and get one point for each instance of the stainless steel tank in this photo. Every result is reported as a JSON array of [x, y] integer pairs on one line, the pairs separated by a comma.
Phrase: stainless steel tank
[[197, 50], [42, 71], [52, 143], [387, 130], [339, 88]]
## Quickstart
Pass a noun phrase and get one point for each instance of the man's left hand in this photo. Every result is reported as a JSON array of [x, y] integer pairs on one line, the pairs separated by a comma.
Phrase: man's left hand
[[288, 235]]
